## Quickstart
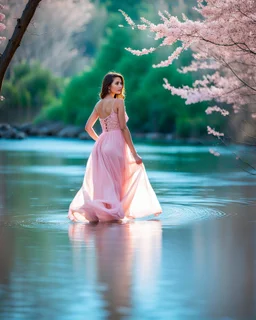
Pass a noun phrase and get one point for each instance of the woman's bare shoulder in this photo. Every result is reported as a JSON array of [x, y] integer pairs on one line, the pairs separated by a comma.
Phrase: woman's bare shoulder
[[98, 103], [120, 102]]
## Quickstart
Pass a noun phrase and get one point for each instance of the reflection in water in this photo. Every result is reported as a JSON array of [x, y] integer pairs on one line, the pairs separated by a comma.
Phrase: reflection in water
[[7, 236], [119, 250], [201, 267], [224, 271]]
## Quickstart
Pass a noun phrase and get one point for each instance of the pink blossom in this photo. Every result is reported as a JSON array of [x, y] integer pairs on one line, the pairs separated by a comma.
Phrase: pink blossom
[[209, 110], [170, 58], [2, 39], [140, 52], [213, 132], [2, 27], [236, 108], [215, 153], [222, 40], [141, 26], [127, 18], [2, 16], [146, 21]]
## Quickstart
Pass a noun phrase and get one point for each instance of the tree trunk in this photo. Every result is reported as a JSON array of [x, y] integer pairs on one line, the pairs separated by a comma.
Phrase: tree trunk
[[17, 36]]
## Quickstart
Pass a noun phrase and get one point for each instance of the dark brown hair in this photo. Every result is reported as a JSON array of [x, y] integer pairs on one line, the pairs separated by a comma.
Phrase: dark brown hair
[[106, 82]]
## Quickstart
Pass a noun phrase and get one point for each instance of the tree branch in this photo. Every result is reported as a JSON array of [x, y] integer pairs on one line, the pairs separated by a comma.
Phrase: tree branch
[[245, 14], [17, 36], [245, 83]]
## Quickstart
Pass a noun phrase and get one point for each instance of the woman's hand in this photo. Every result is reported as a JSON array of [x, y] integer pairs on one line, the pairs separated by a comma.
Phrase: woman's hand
[[137, 158]]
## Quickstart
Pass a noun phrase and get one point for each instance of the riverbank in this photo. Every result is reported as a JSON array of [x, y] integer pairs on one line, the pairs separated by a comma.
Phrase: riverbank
[[58, 129]]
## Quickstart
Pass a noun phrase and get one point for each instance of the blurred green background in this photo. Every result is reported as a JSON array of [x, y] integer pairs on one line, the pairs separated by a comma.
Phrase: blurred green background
[[56, 73]]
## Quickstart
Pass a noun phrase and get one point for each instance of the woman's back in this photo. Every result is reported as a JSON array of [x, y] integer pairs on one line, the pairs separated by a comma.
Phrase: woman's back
[[105, 107], [108, 117]]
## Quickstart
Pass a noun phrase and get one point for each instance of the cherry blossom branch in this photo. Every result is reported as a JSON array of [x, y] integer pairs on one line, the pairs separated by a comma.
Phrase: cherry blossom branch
[[215, 153], [224, 40], [241, 160], [244, 14], [239, 78]]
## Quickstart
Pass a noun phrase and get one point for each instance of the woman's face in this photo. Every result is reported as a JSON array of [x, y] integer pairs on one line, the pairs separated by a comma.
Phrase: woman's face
[[116, 86]]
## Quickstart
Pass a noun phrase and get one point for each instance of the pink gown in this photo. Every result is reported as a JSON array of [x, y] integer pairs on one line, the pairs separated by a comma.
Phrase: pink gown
[[114, 185]]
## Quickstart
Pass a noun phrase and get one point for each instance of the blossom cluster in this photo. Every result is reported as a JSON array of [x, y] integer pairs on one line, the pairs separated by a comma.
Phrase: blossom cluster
[[2, 25], [213, 132], [2, 28], [209, 110], [224, 40], [140, 52], [215, 153]]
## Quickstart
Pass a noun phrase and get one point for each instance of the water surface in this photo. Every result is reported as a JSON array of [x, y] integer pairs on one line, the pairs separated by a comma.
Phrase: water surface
[[195, 261]]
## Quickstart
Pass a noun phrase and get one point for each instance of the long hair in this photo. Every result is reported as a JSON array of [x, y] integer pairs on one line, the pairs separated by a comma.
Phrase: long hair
[[106, 82]]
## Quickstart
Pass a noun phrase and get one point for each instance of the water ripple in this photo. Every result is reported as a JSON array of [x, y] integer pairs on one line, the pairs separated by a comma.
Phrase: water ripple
[[32, 222], [173, 215], [180, 215]]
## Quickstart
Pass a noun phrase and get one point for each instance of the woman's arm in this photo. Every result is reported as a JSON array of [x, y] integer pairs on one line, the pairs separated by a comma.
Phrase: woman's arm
[[123, 126], [92, 134], [90, 123], [126, 132]]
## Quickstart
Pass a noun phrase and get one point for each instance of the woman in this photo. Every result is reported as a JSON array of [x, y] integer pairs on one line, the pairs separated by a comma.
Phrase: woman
[[115, 184]]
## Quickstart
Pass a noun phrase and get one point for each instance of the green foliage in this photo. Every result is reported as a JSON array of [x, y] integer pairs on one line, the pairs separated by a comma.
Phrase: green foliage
[[40, 84], [8, 90], [20, 71], [150, 107], [29, 88], [52, 112], [190, 127]]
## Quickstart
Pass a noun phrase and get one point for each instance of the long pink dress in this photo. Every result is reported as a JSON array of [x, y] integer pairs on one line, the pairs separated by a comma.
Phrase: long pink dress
[[114, 185]]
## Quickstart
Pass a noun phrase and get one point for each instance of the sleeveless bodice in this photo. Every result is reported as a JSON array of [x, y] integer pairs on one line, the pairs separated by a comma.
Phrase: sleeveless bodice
[[111, 122]]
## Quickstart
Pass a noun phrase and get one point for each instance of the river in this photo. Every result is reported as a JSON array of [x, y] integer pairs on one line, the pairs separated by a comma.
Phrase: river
[[195, 261]]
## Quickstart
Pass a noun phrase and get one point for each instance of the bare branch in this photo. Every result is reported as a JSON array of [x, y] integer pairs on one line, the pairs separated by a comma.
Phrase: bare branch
[[240, 79], [14, 42], [245, 14]]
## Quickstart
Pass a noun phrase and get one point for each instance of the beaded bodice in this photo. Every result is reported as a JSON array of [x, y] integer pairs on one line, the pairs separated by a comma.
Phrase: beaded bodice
[[111, 122]]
